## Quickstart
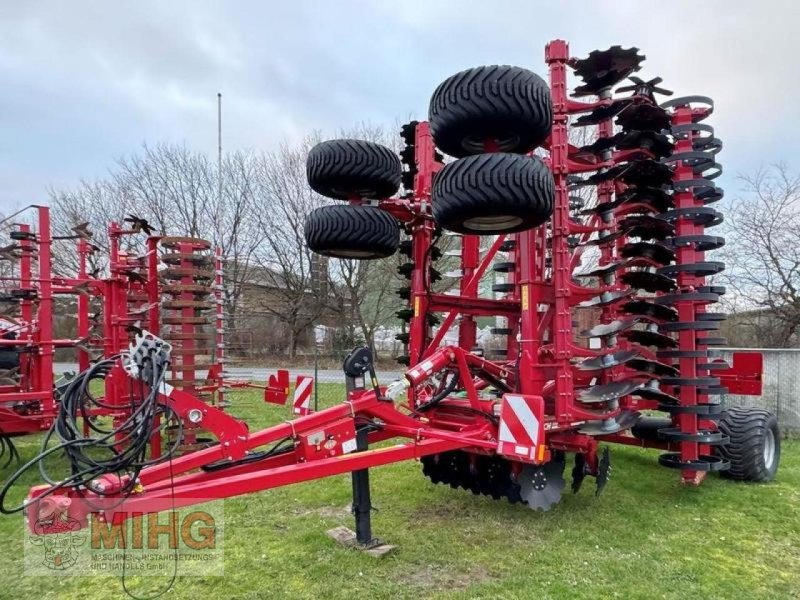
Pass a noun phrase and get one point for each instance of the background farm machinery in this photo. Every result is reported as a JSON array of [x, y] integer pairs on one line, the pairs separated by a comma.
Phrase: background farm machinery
[[617, 226], [169, 285]]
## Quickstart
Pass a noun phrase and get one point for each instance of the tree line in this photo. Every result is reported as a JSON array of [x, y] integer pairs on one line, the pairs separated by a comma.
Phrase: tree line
[[254, 209]]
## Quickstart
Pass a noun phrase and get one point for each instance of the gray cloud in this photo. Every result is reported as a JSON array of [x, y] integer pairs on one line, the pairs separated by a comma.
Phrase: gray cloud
[[85, 82]]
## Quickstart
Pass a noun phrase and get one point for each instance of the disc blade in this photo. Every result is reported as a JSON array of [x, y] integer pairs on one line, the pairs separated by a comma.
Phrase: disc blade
[[653, 367], [578, 472], [603, 470], [607, 329], [628, 418], [652, 392], [607, 361], [541, 486], [552, 494], [606, 299], [608, 391], [650, 338]]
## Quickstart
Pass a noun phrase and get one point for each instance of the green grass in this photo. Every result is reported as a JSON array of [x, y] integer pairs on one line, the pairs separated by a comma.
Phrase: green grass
[[645, 537]]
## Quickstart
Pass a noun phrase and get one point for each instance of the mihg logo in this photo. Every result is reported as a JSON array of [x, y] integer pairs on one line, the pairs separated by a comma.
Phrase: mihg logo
[[61, 538], [147, 542]]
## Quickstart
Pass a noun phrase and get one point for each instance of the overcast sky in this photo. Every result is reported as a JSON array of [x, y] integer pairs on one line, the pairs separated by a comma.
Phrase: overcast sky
[[86, 82]]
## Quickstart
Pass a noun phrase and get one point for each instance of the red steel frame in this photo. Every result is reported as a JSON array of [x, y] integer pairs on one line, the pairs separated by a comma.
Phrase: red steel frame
[[687, 310], [35, 335], [544, 368], [127, 300]]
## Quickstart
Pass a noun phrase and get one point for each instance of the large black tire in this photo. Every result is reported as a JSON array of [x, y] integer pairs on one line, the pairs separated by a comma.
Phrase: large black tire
[[510, 106], [754, 449], [346, 169], [351, 231], [493, 193]]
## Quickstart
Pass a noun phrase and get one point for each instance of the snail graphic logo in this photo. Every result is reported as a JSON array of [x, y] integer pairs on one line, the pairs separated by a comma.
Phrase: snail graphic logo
[[61, 538]]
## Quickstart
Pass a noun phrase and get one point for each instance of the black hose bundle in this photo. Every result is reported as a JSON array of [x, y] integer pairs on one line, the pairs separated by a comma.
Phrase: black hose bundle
[[447, 388], [7, 447], [119, 449]]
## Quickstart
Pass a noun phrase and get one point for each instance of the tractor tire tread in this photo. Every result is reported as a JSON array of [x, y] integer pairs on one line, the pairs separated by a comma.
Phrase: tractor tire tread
[[493, 184], [483, 100], [746, 429], [345, 168], [341, 230]]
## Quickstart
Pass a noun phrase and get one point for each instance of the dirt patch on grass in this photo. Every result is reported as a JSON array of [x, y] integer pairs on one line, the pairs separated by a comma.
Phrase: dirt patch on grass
[[325, 512], [447, 510], [430, 578]]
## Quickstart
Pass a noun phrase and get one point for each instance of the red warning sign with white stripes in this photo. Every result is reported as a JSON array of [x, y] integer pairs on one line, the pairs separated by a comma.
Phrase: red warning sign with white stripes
[[521, 430], [303, 389]]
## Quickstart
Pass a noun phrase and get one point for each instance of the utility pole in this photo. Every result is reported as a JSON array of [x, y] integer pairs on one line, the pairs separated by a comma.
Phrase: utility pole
[[220, 324], [219, 148]]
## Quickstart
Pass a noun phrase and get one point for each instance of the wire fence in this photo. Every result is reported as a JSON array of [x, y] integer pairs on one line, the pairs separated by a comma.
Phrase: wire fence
[[781, 393], [326, 367]]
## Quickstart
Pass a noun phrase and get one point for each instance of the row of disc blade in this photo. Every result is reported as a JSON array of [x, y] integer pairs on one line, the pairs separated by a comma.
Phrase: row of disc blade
[[637, 210], [646, 211]]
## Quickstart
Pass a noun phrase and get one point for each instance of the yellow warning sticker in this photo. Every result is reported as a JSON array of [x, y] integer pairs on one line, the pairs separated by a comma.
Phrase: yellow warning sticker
[[416, 306], [525, 296]]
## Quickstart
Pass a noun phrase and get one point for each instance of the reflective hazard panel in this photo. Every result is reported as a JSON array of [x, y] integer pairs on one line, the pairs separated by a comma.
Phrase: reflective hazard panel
[[521, 430], [302, 395]]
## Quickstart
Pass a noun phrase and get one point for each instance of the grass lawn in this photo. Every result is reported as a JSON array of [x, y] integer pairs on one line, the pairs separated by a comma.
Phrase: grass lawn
[[645, 537]]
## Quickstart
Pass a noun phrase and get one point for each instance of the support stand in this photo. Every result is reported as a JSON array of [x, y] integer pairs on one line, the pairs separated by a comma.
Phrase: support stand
[[362, 506], [362, 538]]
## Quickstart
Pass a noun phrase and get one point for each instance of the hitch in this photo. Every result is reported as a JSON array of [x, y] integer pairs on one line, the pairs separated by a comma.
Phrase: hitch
[[356, 365]]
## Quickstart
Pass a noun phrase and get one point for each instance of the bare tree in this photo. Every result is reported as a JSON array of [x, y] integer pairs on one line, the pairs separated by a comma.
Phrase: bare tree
[[286, 263], [172, 184], [365, 293], [257, 220], [97, 203], [8, 262], [763, 257], [177, 191], [234, 226]]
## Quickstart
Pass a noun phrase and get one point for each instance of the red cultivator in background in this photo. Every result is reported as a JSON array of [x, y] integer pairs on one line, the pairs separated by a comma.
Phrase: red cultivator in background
[[27, 397], [173, 287], [633, 250]]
